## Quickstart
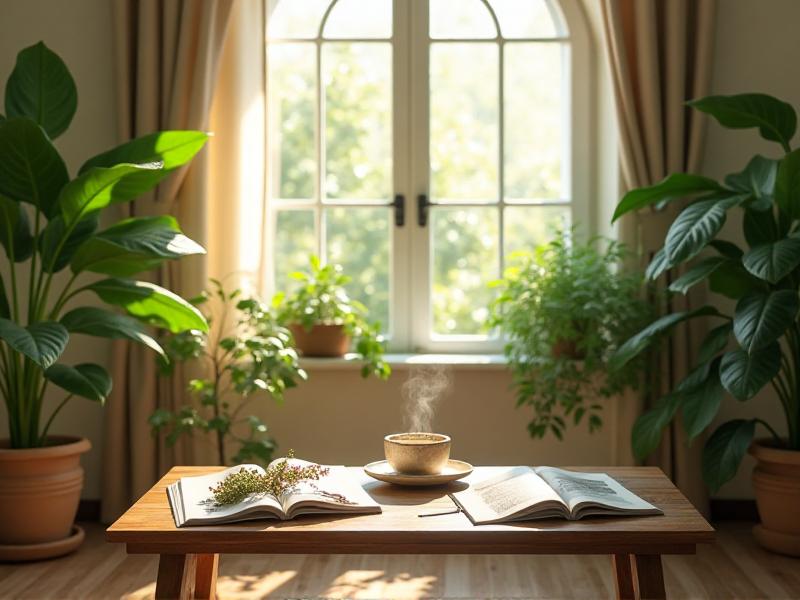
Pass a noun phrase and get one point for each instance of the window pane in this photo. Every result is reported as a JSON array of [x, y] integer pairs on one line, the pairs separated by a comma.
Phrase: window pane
[[295, 242], [535, 122], [358, 238], [295, 18], [525, 18], [465, 260], [292, 97], [360, 19], [464, 121], [530, 226], [457, 19], [358, 130]]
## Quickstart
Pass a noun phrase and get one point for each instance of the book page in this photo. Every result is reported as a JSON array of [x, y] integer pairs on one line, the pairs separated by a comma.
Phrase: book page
[[198, 501], [337, 490], [598, 489], [507, 495]]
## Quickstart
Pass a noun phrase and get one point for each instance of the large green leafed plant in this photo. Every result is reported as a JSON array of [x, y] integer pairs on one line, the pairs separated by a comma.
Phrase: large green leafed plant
[[759, 345], [49, 223]]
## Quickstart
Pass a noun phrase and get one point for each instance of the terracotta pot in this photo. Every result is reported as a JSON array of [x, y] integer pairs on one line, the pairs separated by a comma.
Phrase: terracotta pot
[[39, 490], [568, 349], [321, 340], [776, 480]]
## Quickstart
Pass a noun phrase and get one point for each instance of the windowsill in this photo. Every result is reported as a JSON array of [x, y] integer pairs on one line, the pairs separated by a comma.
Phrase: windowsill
[[493, 362]]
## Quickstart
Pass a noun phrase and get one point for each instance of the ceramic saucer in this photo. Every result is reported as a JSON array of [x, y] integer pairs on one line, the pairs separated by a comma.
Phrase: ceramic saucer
[[383, 471]]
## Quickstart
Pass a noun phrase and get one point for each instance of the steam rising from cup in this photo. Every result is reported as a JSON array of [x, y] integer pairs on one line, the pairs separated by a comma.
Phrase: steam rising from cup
[[423, 390]]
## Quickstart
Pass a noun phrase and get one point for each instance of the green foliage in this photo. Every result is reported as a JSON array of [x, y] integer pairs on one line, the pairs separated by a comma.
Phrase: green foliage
[[574, 296], [764, 279], [242, 360], [48, 221], [321, 299]]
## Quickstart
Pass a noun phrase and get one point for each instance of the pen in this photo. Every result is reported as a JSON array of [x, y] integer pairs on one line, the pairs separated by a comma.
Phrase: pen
[[451, 511]]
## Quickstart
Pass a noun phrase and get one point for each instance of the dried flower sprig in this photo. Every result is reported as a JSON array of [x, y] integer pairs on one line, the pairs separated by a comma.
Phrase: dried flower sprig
[[276, 480]]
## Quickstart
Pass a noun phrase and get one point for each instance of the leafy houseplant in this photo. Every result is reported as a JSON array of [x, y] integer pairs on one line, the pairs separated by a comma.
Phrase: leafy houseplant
[[759, 344], [50, 221], [565, 309], [255, 356], [320, 306]]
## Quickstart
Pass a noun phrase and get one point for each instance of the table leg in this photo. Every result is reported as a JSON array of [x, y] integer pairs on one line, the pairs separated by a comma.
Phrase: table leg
[[623, 576], [650, 575], [187, 576], [205, 580]]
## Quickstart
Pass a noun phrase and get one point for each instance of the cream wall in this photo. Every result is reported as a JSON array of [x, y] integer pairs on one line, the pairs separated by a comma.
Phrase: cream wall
[[80, 32], [756, 50]]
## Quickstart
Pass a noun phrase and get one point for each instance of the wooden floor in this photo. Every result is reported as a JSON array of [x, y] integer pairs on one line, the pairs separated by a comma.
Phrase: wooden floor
[[733, 568]]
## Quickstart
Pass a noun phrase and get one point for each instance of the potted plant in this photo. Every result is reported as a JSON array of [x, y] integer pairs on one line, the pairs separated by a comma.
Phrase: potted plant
[[564, 309], [253, 356], [325, 320], [756, 347], [49, 224]]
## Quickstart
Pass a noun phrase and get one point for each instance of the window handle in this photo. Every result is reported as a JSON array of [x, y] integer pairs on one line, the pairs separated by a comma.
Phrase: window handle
[[422, 210], [399, 205]]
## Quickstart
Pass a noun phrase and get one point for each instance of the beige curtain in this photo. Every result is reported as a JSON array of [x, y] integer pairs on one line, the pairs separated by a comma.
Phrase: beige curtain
[[168, 53], [660, 56]]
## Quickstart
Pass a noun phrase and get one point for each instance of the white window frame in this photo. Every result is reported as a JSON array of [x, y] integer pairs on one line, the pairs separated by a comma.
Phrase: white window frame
[[410, 281]]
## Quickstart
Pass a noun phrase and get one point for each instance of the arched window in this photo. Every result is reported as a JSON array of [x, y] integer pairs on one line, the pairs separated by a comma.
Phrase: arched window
[[421, 144]]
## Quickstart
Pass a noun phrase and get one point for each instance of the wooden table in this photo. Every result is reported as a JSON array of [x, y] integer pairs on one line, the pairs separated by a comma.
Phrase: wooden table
[[189, 557]]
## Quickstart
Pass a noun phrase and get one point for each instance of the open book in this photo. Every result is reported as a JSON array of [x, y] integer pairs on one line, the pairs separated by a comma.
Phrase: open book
[[523, 493], [193, 503]]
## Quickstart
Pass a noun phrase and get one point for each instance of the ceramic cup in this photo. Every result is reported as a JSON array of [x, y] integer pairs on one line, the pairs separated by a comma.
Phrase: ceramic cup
[[417, 453]]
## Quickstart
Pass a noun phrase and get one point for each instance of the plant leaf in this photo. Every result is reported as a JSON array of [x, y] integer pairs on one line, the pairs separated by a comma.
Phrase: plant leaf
[[42, 342], [697, 273], [97, 188], [776, 120], [106, 324], [647, 431], [150, 303], [86, 380], [743, 374], [677, 185], [695, 226], [699, 407], [5, 309], [724, 451], [31, 169], [633, 346], [733, 281], [760, 227], [726, 248], [757, 180], [132, 246], [715, 341], [15, 231], [41, 88], [772, 262], [51, 237], [787, 185], [657, 266], [761, 318], [168, 149]]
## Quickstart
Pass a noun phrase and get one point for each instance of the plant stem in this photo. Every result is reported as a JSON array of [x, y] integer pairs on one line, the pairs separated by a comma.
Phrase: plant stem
[[32, 288], [771, 430], [52, 416]]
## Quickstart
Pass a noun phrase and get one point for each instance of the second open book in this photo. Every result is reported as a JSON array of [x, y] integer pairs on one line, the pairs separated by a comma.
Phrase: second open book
[[523, 493]]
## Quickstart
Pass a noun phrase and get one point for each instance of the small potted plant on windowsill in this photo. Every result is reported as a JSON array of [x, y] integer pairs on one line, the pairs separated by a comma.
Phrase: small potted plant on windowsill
[[40, 473], [325, 321], [759, 345], [565, 309]]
